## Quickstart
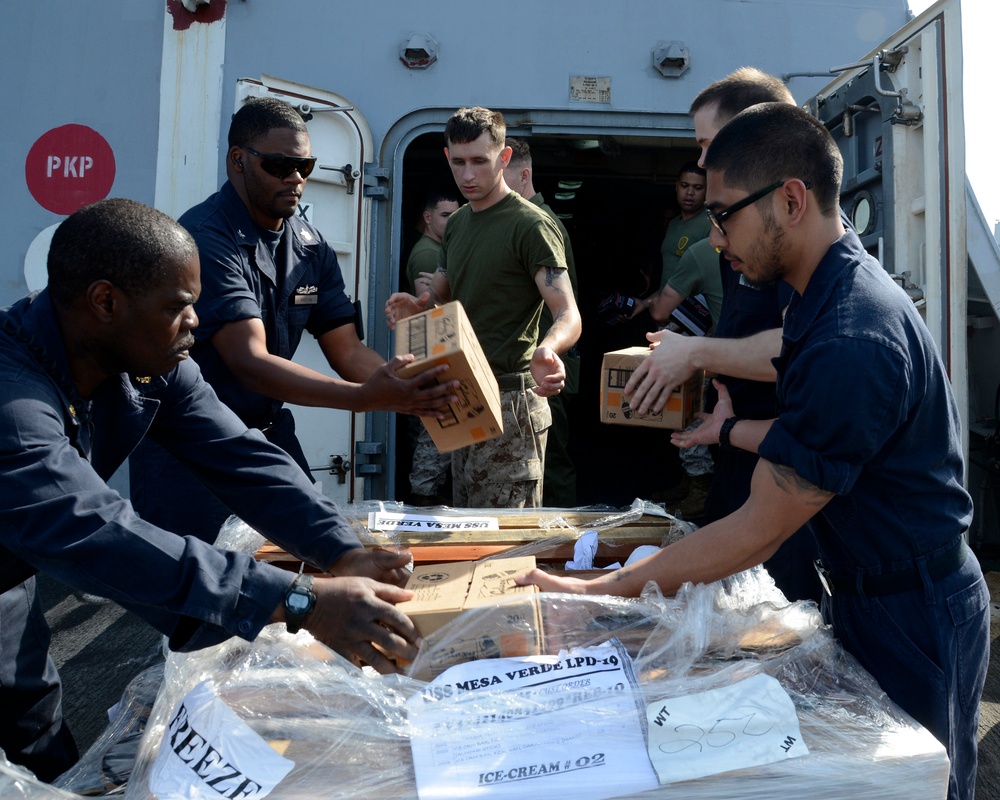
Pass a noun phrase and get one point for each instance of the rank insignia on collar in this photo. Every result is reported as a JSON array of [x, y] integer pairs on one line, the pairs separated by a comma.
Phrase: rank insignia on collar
[[137, 379]]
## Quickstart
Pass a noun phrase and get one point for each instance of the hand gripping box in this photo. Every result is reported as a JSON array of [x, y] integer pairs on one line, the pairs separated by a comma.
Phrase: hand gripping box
[[616, 370], [444, 335]]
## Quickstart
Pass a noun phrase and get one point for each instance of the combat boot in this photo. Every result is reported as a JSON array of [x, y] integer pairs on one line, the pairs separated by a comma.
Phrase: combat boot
[[693, 504]]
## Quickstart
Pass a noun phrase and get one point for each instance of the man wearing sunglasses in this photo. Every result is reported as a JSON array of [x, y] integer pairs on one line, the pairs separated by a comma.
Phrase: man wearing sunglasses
[[268, 276], [866, 446]]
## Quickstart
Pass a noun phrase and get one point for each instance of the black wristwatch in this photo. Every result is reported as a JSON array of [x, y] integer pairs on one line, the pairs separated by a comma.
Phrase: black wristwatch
[[299, 601], [724, 432]]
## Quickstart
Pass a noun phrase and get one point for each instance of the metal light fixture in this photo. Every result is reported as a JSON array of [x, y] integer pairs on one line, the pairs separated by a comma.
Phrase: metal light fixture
[[419, 51], [671, 59]]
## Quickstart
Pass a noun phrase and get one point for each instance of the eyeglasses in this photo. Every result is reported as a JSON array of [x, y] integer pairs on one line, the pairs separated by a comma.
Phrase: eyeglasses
[[718, 217], [281, 166]]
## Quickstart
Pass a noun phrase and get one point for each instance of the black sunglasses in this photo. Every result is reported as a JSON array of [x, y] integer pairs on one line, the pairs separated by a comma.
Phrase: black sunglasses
[[281, 166], [718, 217]]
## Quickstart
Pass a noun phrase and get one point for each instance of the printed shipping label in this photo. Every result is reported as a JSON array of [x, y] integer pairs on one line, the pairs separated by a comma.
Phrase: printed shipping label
[[538, 726], [209, 752], [394, 521]]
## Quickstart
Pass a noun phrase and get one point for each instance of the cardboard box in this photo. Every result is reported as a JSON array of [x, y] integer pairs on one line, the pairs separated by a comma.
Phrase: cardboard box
[[618, 367], [443, 591], [510, 629], [439, 593], [444, 335]]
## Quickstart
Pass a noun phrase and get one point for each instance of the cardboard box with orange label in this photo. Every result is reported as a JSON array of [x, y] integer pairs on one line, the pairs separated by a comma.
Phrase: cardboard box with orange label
[[444, 335], [618, 367]]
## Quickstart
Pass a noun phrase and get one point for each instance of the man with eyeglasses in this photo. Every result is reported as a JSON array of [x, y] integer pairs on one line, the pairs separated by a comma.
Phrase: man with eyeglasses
[[268, 276], [749, 329], [746, 336], [866, 446]]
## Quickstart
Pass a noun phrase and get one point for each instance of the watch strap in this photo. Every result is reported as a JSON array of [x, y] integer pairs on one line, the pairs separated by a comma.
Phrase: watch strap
[[301, 586], [725, 430]]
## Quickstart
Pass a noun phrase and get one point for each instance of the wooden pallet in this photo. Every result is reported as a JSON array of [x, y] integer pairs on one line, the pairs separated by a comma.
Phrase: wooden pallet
[[538, 533]]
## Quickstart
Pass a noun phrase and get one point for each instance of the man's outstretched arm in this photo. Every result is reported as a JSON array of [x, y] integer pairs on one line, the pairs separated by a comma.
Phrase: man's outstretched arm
[[675, 358]]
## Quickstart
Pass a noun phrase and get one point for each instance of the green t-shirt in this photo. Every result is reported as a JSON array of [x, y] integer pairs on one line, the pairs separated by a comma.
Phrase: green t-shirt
[[539, 201], [680, 234], [698, 273], [491, 258], [423, 258]]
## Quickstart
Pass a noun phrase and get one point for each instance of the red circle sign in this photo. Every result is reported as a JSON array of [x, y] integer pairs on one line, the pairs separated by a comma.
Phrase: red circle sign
[[68, 168]]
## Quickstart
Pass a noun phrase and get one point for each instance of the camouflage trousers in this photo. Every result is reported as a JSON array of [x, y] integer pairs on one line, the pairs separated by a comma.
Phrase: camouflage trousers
[[697, 460], [560, 472], [506, 472], [429, 469]]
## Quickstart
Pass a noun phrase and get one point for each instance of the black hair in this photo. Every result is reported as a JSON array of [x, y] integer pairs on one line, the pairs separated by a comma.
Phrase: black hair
[[691, 166], [435, 196], [122, 241], [770, 142], [261, 115]]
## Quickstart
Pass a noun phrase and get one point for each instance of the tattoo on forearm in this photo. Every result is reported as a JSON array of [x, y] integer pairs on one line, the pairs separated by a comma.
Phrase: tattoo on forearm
[[790, 481]]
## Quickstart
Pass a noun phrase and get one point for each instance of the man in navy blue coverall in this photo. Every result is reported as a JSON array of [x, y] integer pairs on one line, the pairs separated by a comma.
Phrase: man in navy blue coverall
[[749, 313], [268, 277], [88, 367], [878, 473]]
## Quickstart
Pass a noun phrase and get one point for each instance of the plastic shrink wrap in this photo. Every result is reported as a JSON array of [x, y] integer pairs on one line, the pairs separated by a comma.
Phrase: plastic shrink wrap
[[348, 734], [345, 731]]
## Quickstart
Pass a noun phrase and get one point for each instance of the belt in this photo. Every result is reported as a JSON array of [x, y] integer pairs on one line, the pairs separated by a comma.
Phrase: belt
[[904, 580], [515, 381]]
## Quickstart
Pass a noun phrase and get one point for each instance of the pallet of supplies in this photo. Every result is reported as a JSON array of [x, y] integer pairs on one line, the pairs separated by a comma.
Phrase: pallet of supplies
[[589, 717]]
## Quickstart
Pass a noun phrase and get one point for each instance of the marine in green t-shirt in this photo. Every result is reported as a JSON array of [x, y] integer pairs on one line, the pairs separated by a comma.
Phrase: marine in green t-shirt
[[430, 469], [697, 273], [559, 488], [424, 257], [691, 224], [503, 258]]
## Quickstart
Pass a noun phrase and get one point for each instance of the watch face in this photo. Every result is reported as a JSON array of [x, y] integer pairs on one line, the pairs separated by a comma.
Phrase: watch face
[[298, 603]]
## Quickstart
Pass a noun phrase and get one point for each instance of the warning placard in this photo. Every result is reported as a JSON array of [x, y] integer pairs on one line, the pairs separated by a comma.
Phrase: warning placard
[[68, 168]]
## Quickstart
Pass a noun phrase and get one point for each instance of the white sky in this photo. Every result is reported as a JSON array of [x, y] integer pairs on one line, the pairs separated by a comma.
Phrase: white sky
[[980, 25]]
